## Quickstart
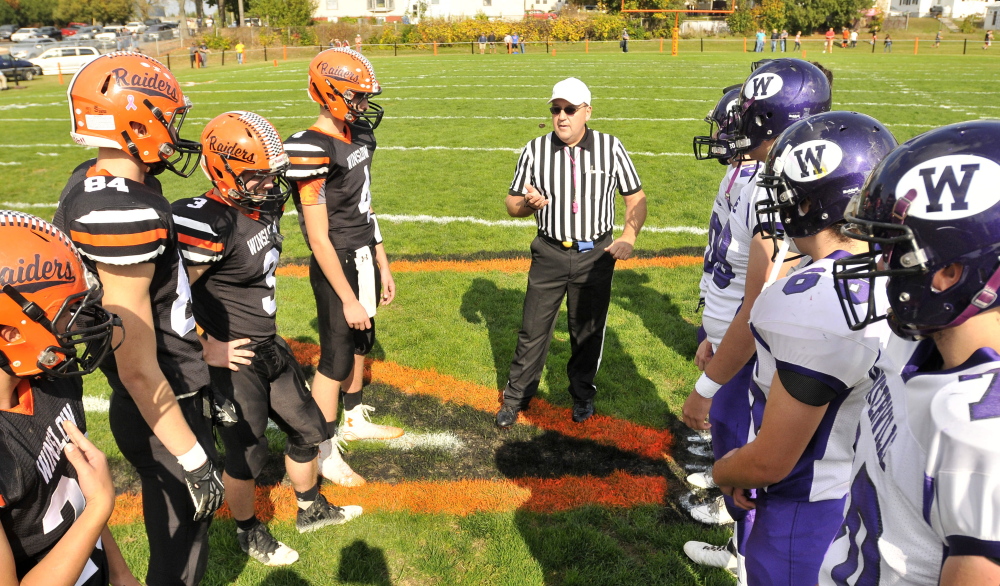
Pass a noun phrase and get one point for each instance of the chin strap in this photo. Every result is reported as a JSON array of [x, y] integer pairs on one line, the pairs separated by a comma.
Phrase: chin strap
[[779, 259]]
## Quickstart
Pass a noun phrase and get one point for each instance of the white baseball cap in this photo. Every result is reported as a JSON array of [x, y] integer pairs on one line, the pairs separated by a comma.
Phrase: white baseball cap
[[572, 90]]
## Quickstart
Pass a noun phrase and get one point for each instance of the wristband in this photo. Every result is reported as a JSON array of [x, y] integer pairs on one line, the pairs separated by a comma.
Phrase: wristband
[[193, 458], [706, 387]]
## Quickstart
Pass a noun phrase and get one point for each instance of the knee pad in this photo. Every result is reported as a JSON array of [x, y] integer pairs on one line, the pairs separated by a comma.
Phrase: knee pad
[[301, 454]]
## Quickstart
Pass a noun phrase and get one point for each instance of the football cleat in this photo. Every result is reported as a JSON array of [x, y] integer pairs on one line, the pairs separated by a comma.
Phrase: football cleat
[[333, 467], [702, 480], [322, 514], [357, 425], [259, 544], [714, 556], [712, 513]]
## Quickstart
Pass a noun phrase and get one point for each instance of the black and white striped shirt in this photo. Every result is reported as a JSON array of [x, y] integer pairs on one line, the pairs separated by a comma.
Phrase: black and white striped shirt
[[578, 181]]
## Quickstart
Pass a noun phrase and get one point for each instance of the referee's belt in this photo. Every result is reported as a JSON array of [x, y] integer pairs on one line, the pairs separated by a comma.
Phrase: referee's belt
[[577, 245]]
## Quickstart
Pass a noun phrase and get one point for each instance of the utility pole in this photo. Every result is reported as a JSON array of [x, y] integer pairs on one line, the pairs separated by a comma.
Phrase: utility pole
[[239, 3]]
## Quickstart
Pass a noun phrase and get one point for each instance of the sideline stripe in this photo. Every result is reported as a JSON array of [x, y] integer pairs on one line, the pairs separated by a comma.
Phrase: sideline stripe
[[458, 497], [512, 265], [422, 218]]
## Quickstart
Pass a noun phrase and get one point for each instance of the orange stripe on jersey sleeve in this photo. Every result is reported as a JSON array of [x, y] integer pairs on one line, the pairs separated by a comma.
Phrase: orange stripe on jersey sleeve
[[119, 239], [312, 191], [309, 160], [206, 244]]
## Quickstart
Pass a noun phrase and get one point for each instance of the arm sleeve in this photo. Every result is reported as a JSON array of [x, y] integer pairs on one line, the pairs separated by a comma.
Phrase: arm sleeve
[[378, 232], [200, 243], [120, 236], [624, 170], [522, 174], [312, 191], [307, 159]]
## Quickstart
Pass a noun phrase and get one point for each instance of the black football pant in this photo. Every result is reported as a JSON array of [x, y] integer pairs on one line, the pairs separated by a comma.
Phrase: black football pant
[[584, 279], [271, 386], [178, 546]]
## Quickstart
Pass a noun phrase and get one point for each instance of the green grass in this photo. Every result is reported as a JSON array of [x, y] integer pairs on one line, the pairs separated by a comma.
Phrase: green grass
[[464, 324]]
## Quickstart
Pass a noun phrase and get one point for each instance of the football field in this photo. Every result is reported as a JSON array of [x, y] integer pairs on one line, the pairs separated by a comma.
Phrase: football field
[[457, 501]]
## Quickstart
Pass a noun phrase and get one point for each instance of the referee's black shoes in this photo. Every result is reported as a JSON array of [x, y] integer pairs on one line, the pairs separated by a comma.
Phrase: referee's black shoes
[[507, 415], [582, 410]]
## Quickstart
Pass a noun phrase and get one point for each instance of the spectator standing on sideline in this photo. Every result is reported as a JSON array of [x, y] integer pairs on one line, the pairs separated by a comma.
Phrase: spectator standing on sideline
[[759, 47], [937, 39], [193, 54], [854, 39], [482, 44], [520, 42], [491, 40], [798, 41], [507, 41], [515, 41], [988, 41], [357, 42], [3, 81], [203, 54], [774, 39], [567, 180], [887, 48], [845, 36], [874, 38], [784, 40], [829, 40], [624, 41], [240, 47]]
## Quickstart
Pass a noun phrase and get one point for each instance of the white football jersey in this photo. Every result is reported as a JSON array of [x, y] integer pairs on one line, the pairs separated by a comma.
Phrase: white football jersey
[[730, 253], [926, 479], [720, 214], [799, 326]]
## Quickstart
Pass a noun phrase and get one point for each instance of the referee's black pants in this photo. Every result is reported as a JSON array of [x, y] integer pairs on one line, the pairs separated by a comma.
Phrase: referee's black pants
[[584, 279]]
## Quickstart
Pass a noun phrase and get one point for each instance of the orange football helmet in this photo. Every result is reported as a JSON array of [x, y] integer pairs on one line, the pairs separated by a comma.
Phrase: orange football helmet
[[336, 77], [132, 102], [240, 147], [52, 300]]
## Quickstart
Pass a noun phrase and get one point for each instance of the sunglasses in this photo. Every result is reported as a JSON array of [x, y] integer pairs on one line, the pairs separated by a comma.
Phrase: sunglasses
[[570, 110]]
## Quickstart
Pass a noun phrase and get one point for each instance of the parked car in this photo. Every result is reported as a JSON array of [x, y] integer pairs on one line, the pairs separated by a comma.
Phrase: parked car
[[18, 68], [65, 59], [87, 32], [51, 32], [136, 27], [32, 48], [23, 34], [159, 32], [111, 32], [6, 31], [151, 21], [70, 29]]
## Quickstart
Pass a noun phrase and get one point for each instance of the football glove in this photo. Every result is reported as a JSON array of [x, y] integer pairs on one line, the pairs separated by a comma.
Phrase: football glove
[[206, 488]]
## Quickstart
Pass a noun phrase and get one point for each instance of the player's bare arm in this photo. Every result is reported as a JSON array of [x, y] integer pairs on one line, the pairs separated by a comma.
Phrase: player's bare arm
[[961, 570], [785, 432], [126, 293], [317, 226], [388, 283], [635, 217]]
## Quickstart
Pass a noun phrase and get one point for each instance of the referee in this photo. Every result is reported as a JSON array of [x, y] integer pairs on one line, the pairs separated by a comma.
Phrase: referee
[[567, 179]]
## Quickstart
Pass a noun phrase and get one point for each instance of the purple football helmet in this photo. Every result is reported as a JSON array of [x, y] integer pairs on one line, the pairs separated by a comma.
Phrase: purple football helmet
[[711, 146], [777, 94], [817, 165], [932, 202]]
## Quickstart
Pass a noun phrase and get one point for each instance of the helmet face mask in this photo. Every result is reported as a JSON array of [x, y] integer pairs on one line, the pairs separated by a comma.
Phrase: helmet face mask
[[245, 159], [52, 301], [341, 80], [931, 203], [131, 102], [712, 146]]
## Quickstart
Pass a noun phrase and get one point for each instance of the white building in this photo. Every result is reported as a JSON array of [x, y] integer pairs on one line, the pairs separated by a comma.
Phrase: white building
[[992, 21], [955, 9], [393, 10]]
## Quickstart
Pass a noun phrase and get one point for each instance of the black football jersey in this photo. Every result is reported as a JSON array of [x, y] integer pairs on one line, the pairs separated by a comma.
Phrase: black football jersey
[[118, 221], [347, 190], [235, 297], [40, 496]]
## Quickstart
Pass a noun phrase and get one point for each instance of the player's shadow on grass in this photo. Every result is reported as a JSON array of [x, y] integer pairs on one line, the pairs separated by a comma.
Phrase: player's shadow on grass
[[659, 314], [500, 310], [363, 564]]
